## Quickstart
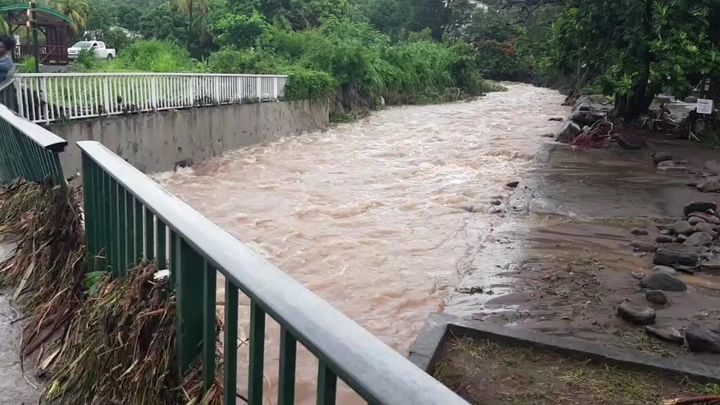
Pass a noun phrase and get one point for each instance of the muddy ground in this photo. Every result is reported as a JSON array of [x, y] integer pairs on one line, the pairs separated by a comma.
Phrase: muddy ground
[[563, 260]]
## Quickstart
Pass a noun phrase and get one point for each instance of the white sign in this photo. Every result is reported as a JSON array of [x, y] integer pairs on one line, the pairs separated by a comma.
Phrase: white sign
[[704, 106]]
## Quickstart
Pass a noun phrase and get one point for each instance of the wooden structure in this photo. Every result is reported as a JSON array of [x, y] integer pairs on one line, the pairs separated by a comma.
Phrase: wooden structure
[[54, 27]]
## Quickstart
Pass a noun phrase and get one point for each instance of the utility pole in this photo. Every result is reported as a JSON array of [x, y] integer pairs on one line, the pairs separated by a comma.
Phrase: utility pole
[[32, 24]]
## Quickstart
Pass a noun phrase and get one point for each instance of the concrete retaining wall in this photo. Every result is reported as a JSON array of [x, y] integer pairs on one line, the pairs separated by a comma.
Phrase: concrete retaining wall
[[155, 142]]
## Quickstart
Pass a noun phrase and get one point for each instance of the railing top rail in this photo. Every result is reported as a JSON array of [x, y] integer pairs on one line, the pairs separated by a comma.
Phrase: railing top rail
[[119, 74], [374, 370], [38, 134], [7, 83]]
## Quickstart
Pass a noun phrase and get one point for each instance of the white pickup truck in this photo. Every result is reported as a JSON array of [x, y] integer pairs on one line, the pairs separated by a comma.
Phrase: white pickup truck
[[98, 49]]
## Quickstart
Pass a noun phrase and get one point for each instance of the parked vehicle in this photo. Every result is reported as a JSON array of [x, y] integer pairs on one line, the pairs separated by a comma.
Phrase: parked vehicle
[[98, 48]]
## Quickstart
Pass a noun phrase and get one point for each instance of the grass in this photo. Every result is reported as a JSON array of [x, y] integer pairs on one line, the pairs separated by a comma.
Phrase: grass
[[487, 372]]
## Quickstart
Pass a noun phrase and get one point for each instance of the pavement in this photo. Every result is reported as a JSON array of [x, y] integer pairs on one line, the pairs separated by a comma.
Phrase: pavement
[[15, 387]]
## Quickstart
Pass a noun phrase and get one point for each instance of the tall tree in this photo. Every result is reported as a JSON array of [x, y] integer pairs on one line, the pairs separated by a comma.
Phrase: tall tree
[[76, 10]]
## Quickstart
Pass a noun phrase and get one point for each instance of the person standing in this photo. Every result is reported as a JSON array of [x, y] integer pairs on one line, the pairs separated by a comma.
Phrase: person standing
[[7, 45]]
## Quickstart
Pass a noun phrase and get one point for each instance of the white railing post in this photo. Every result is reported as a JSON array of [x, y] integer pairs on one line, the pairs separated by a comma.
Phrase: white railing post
[[259, 88], [43, 100], [275, 88], [216, 82], [18, 95], [154, 92], [106, 95], [191, 90]]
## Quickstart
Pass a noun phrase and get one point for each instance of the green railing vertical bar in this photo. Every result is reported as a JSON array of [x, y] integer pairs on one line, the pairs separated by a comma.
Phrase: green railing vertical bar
[[188, 269], [230, 344], [149, 235], [88, 200], [138, 233], [162, 246], [106, 217], [114, 240], [98, 208], [286, 380], [129, 231], [209, 321], [59, 176], [122, 231], [257, 354], [326, 384]]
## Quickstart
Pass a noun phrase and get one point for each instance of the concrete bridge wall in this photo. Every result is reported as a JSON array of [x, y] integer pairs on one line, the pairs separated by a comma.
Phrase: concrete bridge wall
[[155, 142]]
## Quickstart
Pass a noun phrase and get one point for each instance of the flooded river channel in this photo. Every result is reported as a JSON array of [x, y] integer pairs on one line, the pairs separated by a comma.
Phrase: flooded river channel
[[378, 216]]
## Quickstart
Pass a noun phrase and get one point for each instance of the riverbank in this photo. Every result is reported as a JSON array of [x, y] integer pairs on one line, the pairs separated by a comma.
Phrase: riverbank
[[580, 243]]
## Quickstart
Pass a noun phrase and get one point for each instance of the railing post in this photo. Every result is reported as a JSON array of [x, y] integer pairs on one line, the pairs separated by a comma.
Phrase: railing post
[[43, 99], [106, 95], [275, 88], [258, 84], [191, 90], [154, 92], [18, 94], [217, 89], [188, 267]]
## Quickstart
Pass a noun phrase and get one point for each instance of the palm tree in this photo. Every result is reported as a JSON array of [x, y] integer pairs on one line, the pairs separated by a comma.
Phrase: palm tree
[[77, 10], [197, 13]]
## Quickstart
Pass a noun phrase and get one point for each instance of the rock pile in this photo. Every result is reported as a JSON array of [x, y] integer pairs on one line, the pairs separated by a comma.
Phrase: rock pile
[[688, 245], [587, 111]]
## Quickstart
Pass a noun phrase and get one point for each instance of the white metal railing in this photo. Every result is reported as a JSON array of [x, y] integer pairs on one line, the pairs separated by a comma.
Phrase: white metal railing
[[48, 97]]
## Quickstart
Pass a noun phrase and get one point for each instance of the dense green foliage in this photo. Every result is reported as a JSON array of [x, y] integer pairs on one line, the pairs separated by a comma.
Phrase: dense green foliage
[[632, 49]]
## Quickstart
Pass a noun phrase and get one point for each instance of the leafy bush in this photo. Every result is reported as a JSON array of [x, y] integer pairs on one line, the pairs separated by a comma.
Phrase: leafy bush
[[154, 56], [28, 65], [86, 60], [306, 84]]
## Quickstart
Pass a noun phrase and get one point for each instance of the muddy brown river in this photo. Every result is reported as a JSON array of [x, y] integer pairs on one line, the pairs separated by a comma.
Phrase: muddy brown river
[[377, 216]]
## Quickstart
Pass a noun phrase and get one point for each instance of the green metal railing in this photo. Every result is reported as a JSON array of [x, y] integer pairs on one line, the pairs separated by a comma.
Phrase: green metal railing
[[130, 218], [28, 151]]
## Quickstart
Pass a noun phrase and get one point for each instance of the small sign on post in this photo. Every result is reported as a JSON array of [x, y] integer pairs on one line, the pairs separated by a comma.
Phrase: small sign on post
[[704, 106]]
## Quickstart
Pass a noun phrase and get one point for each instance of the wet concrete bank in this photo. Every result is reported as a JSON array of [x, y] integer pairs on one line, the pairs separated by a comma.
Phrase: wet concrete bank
[[564, 260], [158, 141]]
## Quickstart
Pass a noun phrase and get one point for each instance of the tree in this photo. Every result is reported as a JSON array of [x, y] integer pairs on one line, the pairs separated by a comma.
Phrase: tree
[[637, 47], [77, 10]]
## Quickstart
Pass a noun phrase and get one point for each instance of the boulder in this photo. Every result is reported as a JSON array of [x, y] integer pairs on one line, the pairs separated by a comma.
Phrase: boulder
[[700, 339], [677, 253], [685, 269], [656, 297], [681, 238], [710, 267], [643, 246], [665, 269], [711, 219], [629, 141], [662, 281], [700, 206], [668, 334], [699, 239], [661, 157], [587, 117], [636, 315], [682, 228], [512, 184], [664, 239], [706, 228], [639, 232], [709, 186], [693, 220], [568, 132]]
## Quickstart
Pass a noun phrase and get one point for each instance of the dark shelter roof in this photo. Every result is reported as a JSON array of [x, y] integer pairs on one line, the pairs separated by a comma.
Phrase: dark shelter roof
[[17, 15]]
